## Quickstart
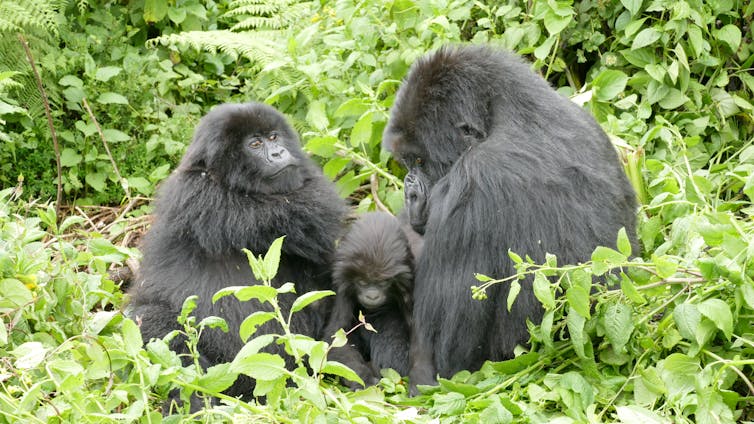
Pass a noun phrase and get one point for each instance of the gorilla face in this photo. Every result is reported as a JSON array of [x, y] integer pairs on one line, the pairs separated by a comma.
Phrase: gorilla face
[[250, 148]]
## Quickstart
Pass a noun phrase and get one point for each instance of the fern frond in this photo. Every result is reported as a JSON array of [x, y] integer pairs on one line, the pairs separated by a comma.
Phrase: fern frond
[[257, 22], [261, 48], [37, 16]]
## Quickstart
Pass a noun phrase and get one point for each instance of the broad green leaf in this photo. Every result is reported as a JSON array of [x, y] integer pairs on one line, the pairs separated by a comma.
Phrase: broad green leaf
[[112, 98], [29, 355], [623, 243], [629, 289], [634, 414], [217, 378], [260, 366], [557, 19], [107, 72], [719, 313], [352, 107], [339, 339], [362, 131], [575, 323], [545, 48], [340, 370], [448, 404], [131, 337], [731, 35], [115, 136], [645, 37], [272, 258], [322, 146], [632, 6], [607, 255], [96, 180], [665, 267], [578, 299], [252, 322], [155, 10], [513, 293], [618, 322], [13, 293], [481, 277], [679, 373], [543, 290], [259, 292], [72, 81], [254, 346], [317, 117], [687, 319], [608, 84], [308, 298], [673, 99]]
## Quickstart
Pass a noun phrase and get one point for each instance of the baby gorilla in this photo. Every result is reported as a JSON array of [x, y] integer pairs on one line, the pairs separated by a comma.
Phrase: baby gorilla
[[373, 272]]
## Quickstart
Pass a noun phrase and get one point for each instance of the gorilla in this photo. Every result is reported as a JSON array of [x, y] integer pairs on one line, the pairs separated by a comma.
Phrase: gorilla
[[496, 160], [373, 272], [243, 182]]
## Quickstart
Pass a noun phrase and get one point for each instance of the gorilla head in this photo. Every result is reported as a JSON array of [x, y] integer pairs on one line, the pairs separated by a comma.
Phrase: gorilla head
[[257, 140]]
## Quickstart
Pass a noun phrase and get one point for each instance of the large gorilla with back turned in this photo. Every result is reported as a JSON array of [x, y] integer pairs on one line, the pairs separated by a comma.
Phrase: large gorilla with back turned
[[242, 183], [497, 160]]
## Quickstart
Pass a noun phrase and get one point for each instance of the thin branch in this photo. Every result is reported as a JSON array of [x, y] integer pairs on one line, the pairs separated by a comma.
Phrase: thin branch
[[123, 182], [55, 145], [374, 185]]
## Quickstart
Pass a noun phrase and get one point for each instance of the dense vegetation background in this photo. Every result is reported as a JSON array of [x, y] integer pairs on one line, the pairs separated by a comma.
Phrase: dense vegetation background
[[98, 100]]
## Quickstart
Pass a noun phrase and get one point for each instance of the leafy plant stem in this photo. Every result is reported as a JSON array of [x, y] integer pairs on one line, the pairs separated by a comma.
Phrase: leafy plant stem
[[121, 180]]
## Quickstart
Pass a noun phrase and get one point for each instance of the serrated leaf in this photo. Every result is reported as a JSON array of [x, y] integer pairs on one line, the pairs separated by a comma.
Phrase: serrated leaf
[[636, 414], [308, 298], [217, 378], [362, 130], [254, 345], [448, 404], [645, 37], [608, 256], [69, 158], [608, 84], [340, 370], [105, 73], [272, 258], [322, 146], [96, 180], [131, 337], [155, 10], [687, 318], [112, 98], [259, 292], [578, 299], [575, 324], [619, 324], [316, 116], [115, 136], [260, 366], [29, 355], [719, 313], [629, 289], [632, 6], [72, 81], [252, 322], [543, 290], [731, 35]]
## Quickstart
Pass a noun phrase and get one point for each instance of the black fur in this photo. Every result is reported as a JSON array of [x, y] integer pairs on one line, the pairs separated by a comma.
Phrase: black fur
[[227, 195], [510, 164], [374, 257]]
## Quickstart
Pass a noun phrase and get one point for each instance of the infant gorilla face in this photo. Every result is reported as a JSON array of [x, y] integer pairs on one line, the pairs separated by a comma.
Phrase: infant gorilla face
[[372, 294]]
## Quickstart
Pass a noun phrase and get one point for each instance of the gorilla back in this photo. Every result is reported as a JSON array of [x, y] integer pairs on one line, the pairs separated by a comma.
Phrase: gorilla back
[[508, 163], [243, 182]]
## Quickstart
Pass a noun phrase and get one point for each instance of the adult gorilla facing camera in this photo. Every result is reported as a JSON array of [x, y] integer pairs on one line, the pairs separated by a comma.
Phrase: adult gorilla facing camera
[[497, 160], [243, 182]]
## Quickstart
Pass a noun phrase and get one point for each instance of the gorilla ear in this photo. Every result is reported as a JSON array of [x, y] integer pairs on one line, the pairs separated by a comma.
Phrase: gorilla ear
[[469, 130]]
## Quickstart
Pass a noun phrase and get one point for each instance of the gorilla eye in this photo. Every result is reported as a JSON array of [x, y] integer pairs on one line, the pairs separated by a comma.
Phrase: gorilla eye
[[418, 162], [255, 143], [273, 136]]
